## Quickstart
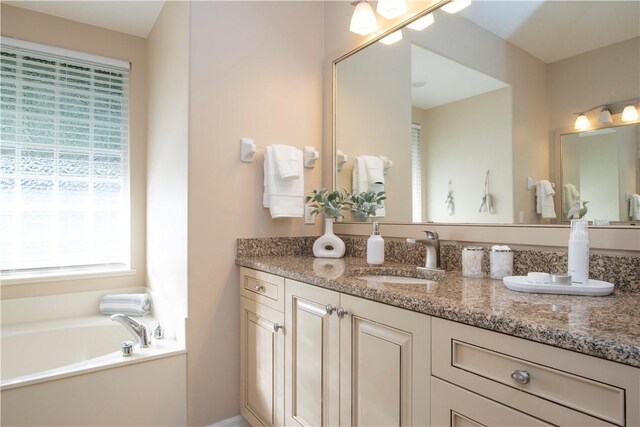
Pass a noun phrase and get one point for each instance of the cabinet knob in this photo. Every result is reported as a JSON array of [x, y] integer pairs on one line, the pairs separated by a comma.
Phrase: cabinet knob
[[330, 309], [259, 288], [277, 327], [521, 377], [342, 312]]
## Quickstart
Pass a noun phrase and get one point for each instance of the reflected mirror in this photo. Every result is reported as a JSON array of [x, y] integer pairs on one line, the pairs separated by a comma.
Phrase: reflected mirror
[[471, 119]]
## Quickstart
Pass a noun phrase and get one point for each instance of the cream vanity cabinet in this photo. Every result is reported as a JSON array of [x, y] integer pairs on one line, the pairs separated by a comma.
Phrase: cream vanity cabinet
[[351, 361], [485, 378], [261, 348]]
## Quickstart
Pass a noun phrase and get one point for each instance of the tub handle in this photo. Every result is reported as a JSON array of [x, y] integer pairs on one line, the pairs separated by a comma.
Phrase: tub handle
[[127, 348]]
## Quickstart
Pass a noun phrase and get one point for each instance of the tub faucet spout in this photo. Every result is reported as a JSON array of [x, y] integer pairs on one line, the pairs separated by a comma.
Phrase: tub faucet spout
[[137, 329]]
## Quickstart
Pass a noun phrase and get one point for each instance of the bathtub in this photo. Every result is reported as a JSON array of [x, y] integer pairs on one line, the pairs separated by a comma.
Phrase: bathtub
[[72, 372]]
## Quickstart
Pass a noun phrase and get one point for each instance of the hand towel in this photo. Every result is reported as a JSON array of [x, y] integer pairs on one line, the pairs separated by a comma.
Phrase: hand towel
[[634, 207], [570, 195], [286, 161], [359, 176], [544, 199], [129, 304], [375, 169], [284, 198]]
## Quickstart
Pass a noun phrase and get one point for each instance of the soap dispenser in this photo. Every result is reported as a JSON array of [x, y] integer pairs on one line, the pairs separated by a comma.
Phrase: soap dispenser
[[578, 257], [375, 246]]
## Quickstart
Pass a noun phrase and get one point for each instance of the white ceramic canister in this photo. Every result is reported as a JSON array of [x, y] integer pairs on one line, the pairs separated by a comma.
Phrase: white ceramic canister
[[501, 262], [472, 257]]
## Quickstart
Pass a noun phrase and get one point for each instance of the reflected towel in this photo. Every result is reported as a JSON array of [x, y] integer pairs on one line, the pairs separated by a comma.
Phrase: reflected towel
[[634, 207], [368, 175], [544, 199], [570, 197], [359, 177], [284, 198], [129, 304]]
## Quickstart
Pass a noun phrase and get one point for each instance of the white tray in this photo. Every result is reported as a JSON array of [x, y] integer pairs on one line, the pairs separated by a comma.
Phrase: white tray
[[593, 288]]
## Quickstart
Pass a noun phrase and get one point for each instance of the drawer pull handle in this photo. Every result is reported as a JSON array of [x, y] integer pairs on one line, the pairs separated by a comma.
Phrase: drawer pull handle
[[259, 288], [330, 309], [521, 377], [277, 327], [341, 312]]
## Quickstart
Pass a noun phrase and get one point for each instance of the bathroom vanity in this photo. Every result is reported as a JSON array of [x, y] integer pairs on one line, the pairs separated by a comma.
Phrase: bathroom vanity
[[319, 346]]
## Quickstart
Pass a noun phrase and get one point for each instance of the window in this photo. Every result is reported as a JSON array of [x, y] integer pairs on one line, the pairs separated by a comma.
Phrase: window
[[416, 174], [64, 161]]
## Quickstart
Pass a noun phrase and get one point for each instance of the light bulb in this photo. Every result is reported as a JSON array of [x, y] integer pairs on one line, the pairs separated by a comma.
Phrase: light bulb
[[391, 8], [582, 122], [392, 38], [363, 21], [629, 113], [456, 6], [422, 23], [605, 117]]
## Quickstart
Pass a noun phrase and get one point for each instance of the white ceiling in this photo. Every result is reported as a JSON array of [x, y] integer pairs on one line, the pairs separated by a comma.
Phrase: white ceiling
[[131, 17], [553, 30], [452, 82]]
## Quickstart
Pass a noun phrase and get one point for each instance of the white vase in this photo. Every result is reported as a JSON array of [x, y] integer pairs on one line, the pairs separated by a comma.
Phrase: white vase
[[328, 245]]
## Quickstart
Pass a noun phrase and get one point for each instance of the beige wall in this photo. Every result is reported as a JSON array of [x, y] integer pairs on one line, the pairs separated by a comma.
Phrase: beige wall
[[167, 164], [39, 28], [256, 71], [454, 149]]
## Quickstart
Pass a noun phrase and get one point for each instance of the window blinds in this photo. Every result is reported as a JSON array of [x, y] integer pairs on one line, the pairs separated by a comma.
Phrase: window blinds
[[64, 162], [416, 175]]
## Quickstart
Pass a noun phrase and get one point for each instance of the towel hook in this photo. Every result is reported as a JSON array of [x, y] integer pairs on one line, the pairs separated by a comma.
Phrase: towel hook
[[310, 155], [341, 159]]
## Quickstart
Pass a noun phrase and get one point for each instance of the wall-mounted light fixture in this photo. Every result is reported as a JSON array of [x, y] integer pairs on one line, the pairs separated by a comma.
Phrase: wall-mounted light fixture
[[363, 20], [627, 108], [391, 8]]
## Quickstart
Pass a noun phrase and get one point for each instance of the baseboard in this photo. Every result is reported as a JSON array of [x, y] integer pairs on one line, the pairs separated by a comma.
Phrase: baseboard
[[237, 421]]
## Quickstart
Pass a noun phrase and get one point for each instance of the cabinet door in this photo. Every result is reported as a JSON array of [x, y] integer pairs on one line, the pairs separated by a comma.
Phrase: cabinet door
[[262, 364], [384, 365], [457, 407], [311, 356]]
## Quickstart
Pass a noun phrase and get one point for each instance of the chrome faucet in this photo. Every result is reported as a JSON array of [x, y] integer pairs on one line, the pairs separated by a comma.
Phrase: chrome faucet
[[432, 243], [137, 329]]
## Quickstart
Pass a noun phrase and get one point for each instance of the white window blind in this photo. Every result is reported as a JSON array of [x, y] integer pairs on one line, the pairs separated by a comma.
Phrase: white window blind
[[64, 163], [416, 174]]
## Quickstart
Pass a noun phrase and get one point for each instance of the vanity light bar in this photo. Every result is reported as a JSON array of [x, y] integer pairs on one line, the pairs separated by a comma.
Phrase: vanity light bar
[[629, 113]]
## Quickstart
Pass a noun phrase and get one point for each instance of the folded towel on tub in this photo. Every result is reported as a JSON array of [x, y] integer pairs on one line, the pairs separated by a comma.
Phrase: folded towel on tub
[[129, 304]]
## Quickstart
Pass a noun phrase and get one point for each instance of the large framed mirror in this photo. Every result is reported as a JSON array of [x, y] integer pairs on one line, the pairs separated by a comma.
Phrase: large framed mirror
[[476, 106]]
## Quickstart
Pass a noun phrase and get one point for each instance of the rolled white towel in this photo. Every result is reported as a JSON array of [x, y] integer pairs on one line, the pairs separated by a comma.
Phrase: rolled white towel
[[129, 304]]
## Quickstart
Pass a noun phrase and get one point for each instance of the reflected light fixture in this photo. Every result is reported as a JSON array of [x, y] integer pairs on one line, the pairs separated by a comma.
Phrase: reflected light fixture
[[392, 38], [605, 117], [363, 20], [630, 113], [391, 8], [422, 23], [456, 6], [582, 122]]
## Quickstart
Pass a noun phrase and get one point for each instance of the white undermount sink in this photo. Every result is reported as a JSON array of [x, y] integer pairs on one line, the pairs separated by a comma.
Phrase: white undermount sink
[[400, 280]]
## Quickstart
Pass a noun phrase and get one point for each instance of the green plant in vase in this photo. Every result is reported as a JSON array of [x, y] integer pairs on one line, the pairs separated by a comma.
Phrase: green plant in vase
[[365, 204], [330, 204]]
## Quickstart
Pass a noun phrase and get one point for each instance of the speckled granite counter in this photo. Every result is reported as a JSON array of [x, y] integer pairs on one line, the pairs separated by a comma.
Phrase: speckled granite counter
[[605, 327]]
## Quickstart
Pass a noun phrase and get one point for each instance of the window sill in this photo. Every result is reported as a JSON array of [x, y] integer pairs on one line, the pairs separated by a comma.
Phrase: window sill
[[66, 275]]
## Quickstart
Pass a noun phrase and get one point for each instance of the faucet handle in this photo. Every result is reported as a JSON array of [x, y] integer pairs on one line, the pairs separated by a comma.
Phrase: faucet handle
[[431, 235]]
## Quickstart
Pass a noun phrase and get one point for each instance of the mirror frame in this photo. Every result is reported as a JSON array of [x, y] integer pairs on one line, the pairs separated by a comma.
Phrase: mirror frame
[[555, 160]]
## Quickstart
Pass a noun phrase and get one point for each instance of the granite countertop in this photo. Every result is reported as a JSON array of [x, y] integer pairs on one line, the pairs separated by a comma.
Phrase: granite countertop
[[605, 327]]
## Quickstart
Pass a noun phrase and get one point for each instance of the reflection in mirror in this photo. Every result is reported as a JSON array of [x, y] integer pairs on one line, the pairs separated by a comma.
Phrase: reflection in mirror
[[469, 108], [601, 174]]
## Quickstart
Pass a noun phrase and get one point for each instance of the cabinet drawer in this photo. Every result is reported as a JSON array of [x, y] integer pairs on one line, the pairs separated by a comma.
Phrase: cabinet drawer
[[262, 287], [456, 407], [563, 386]]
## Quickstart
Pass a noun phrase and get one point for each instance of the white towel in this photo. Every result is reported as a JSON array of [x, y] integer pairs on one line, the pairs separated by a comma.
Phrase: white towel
[[359, 176], [634, 207], [286, 161], [570, 197], [284, 198], [544, 199], [128, 304], [375, 169]]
